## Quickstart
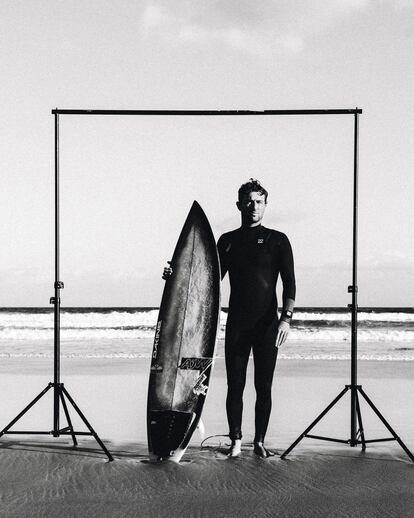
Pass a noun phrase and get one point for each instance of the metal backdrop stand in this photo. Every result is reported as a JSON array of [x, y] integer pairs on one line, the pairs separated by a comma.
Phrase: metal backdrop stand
[[60, 394], [357, 436]]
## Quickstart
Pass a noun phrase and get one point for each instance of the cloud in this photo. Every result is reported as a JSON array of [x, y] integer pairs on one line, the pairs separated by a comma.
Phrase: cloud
[[258, 28], [186, 27], [233, 37]]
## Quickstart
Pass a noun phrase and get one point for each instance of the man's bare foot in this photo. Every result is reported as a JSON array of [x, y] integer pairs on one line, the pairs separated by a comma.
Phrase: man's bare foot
[[235, 448], [261, 451]]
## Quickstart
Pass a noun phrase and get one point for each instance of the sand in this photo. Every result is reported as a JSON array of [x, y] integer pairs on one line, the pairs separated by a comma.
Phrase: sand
[[42, 476]]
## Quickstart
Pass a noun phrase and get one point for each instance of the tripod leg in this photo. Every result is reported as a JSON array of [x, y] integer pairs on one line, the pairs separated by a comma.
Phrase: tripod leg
[[361, 427], [95, 435], [385, 423], [315, 422], [65, 408], [26, 409]]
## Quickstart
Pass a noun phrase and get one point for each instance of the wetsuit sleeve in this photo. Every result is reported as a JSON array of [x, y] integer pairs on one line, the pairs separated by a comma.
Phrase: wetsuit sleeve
[[287, 271], [223, 251]]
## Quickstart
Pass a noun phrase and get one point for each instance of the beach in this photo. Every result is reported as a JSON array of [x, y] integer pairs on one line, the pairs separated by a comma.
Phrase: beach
[[46, 476]]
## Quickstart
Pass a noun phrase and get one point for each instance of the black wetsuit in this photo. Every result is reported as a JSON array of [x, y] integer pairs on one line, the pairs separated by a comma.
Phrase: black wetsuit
[[254, 257]]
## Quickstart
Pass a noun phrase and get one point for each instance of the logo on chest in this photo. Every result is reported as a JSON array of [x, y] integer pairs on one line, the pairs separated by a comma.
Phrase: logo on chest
[[260, 241]]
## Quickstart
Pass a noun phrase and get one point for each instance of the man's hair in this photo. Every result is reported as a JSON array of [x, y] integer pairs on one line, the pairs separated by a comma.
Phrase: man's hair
[[252, 186]]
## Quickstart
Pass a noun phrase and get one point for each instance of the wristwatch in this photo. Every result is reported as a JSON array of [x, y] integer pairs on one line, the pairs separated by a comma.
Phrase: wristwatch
[[286, 316]]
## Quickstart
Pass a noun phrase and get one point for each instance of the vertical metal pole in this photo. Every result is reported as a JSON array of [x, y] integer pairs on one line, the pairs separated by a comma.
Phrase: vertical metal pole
[[56, 300], [354, 307]]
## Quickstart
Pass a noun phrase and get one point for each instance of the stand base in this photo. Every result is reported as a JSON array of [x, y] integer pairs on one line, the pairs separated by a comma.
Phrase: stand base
[[359, 437], [60, 393]]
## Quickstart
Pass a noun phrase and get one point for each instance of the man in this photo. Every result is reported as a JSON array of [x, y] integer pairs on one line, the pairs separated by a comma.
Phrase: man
[[254, 255]]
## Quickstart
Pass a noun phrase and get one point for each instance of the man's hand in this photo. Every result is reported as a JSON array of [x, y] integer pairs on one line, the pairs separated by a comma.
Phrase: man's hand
[[282, 333], [168, 271]]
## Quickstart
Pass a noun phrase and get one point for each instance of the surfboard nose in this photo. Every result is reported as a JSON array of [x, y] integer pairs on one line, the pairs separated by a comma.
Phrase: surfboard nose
[[197, 211]]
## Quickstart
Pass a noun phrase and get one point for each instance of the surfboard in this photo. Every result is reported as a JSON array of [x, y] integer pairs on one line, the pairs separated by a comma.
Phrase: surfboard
[[185, 336]]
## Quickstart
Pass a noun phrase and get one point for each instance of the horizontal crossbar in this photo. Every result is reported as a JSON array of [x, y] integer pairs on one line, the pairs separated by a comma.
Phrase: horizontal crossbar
[[351, 111]]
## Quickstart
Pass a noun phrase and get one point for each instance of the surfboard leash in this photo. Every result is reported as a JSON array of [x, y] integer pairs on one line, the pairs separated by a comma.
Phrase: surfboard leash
[[211, 437]]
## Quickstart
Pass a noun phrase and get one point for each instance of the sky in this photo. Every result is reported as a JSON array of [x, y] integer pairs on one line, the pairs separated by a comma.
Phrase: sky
[[127, 183]]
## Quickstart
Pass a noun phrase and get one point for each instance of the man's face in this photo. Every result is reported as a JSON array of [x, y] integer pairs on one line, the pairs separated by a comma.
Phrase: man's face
[[252, 207]]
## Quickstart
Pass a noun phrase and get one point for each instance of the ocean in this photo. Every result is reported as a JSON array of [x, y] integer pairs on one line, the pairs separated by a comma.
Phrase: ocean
[[384, 334]]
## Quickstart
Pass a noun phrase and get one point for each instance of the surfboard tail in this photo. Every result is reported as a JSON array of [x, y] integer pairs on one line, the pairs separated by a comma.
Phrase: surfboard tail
[[167, 429]]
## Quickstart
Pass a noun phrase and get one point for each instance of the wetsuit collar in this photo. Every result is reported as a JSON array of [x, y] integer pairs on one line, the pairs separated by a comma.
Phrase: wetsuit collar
[[251, 229]]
